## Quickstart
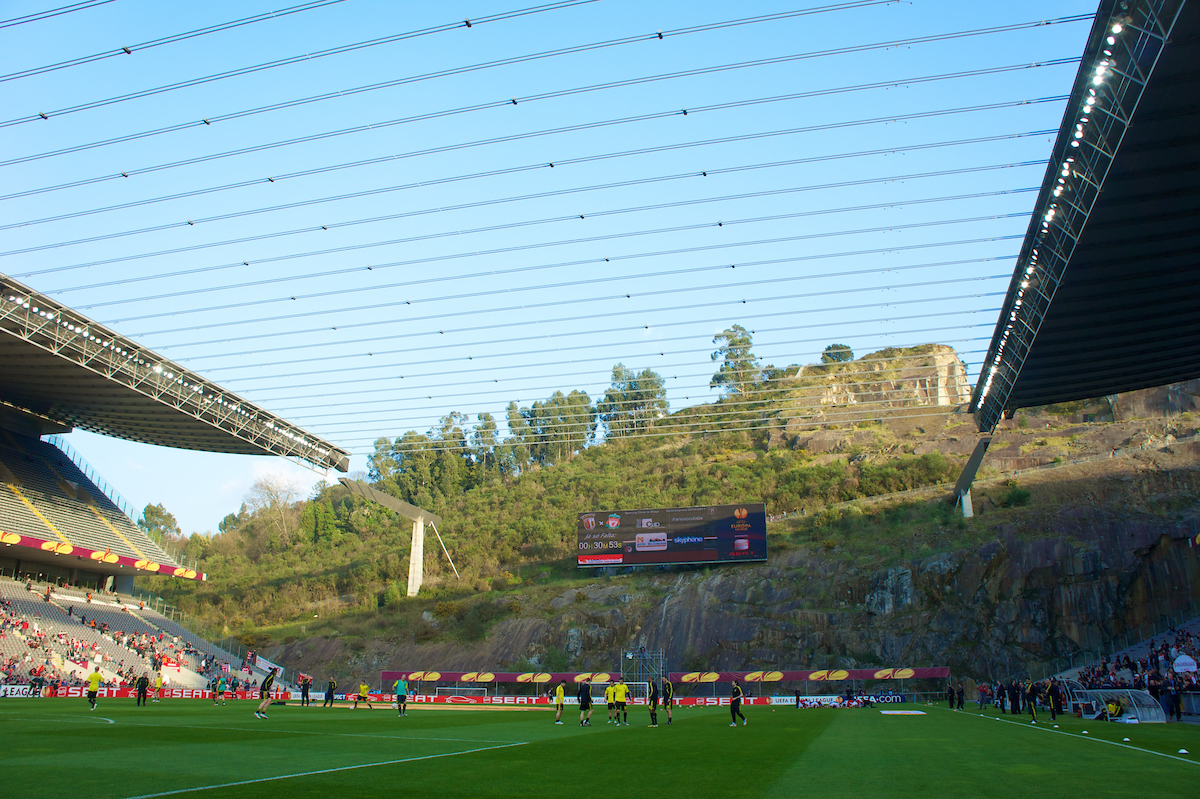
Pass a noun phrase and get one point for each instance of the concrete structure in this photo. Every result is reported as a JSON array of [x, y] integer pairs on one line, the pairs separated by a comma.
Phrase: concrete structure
[[418, 517]]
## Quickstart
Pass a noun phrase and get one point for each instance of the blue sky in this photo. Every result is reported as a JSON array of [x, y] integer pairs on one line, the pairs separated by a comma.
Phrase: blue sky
[[441, 307]]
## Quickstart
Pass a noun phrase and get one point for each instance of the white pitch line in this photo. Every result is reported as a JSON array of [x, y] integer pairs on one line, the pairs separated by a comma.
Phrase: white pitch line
[[321, 771], [322, 733], [1090, 738], [87, 720]]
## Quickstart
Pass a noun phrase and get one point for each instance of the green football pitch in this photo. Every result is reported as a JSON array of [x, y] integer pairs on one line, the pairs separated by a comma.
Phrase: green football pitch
[[58, 748]]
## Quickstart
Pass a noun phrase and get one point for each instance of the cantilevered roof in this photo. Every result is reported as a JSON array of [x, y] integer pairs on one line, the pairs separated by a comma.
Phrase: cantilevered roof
[[1106, 294], [59, 365]]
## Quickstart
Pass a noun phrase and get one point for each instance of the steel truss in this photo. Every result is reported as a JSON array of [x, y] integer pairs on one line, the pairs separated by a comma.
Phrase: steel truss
[[1101, 109], [57, 329]]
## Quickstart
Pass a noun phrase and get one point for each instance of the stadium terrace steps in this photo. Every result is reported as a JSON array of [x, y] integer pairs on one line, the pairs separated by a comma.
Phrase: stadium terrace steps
[[81, 512], [105, 506]]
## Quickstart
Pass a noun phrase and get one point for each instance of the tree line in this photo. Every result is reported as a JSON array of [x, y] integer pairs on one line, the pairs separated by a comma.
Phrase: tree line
[[431, 468]]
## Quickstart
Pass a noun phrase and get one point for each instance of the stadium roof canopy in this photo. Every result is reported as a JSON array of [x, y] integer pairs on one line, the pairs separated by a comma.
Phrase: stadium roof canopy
[[1106, 294], [62, 370]]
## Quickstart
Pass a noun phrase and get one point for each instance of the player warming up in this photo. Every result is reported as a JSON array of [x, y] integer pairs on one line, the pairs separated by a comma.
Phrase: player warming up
[[93, 683], [264, 694], [653, 704], [330, 687], [735, 705], [363, 696], [609, 691], [585, 703], [559, 691], [401, 688], [143, 689], [668, 698], [620, 695]]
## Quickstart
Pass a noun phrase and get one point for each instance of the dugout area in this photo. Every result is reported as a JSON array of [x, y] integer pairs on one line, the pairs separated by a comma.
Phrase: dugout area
[[189, 748]]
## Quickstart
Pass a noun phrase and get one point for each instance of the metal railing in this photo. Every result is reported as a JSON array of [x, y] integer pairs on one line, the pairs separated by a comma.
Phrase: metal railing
[[124, 505]]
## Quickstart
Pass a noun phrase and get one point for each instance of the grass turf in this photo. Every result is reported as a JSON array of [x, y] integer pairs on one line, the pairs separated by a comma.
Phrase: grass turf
[[59, 748]]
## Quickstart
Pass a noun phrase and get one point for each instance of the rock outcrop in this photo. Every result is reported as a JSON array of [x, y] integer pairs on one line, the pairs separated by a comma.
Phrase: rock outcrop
[[931, 374], [986, 611]]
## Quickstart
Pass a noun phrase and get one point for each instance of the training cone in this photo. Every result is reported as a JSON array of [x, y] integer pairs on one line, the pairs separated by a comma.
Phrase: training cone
[[1085, 732], [1125, 739], [1183, 751], [1056, 726]]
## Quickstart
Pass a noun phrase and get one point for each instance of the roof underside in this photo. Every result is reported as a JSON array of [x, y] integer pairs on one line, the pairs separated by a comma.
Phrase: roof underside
[[60, 390], [1124, 315], [61, 369]]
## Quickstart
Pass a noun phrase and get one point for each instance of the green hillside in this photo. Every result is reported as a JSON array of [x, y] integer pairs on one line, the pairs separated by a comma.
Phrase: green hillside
[[509, 504], [268, 566]]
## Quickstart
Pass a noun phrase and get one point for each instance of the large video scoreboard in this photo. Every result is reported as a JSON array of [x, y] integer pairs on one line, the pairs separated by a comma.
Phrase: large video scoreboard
[[708, 534]]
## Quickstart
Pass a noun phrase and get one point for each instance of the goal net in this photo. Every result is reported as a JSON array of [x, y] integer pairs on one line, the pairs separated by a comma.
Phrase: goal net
[[443, 690]]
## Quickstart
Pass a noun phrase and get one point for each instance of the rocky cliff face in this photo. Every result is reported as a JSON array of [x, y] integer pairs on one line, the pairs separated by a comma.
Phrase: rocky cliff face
[[1161, 402], [927, 375]]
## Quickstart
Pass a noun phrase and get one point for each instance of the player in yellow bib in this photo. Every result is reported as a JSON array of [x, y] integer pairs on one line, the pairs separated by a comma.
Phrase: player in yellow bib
[[559, 691], [93, 682], [620, 696], [364, 692], [608, 700]]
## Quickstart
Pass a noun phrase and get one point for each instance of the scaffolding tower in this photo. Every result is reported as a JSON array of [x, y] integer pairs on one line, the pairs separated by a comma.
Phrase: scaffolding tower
[[643, 665]]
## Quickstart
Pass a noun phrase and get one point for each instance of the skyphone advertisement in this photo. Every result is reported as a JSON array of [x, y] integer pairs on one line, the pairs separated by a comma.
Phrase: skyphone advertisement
[[658, 536]]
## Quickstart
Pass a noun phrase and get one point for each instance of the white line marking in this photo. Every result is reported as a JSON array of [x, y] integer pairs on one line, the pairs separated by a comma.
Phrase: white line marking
[[1090, 738], [87, 720], [322, 771], [322, 733]]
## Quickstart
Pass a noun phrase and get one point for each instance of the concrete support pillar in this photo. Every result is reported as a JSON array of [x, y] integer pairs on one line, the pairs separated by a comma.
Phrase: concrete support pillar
[[965, 501], [123, 584], [416, 558]]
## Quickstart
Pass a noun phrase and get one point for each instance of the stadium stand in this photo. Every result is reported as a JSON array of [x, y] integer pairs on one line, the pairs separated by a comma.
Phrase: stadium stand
[[62, 526], [49, 498], [52, 636]]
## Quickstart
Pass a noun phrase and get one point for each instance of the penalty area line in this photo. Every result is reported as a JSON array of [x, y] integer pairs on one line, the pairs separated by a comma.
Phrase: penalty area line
[[321, 771]]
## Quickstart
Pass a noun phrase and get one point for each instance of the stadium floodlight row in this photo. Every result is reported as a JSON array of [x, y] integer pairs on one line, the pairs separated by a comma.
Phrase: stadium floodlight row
[[63, 370], [1103, 298]]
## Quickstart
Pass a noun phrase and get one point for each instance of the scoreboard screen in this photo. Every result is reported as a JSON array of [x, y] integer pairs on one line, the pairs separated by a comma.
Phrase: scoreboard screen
[[707, 534]]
